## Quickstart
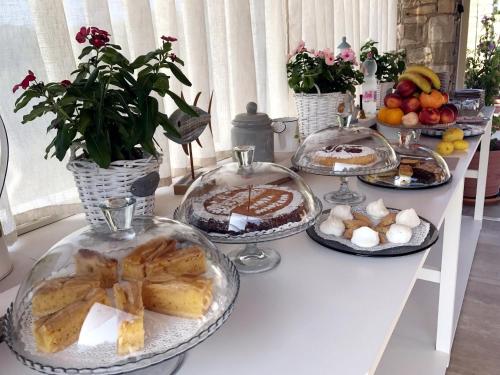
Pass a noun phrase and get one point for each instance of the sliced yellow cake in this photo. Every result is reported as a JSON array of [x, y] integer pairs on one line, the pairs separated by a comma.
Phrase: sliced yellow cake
[[57, 331], [133, 264], [128, 298], [94, 264], [186, 261], [54, 294], [185, 296]]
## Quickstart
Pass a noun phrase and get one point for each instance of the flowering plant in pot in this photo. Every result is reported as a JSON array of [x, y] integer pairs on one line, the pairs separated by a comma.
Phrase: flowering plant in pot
[[390, 65], [323, 84], [107, 116]]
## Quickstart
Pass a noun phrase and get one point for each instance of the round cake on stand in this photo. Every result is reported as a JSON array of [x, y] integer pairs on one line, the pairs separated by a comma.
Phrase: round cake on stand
[[345, 151], [248, 202]]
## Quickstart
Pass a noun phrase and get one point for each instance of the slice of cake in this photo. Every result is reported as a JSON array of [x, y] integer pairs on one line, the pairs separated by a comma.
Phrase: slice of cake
[[54, 294], [57, 331], [186, 261], [133, 264], [128, 297], [94, 264], [185, 296]]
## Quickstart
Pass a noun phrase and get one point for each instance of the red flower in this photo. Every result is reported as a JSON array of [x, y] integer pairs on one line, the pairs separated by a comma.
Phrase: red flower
[[169, 38], [173, 56], [66, 82], [99, 37], [25, 82], [81, 36]]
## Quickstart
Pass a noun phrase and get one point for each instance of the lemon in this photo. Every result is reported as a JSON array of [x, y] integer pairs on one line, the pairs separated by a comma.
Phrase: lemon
[[453, 134], [445, 148], [461, 145]]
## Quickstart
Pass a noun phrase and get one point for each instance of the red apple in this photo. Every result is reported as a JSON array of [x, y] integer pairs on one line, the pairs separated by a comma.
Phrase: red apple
[[405, 88], [393, 101], [447, 114], [446, 98], [410, 104], [429, 116], [452, 107]]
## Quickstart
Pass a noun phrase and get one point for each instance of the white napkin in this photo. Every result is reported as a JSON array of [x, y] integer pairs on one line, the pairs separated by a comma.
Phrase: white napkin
[[101, 325]]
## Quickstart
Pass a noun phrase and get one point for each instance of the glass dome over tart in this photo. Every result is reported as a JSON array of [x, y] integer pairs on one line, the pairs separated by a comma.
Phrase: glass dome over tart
[[345, 151], [187, 290], [249, 202]]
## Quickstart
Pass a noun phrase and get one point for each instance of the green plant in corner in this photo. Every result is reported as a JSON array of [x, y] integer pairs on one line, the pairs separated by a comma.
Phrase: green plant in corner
[[389, 64], [108, 110], [483, 63]]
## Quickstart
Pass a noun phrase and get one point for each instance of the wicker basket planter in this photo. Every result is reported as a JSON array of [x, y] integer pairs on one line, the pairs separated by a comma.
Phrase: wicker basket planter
[[315, 111], [96, 184]]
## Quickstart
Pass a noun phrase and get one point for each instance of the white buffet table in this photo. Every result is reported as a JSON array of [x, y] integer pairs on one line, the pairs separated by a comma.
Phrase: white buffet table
[[320, 311]]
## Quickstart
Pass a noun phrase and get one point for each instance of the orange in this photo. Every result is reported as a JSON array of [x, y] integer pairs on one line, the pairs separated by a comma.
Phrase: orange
[[432, 100], [393, 116], [382, 114]]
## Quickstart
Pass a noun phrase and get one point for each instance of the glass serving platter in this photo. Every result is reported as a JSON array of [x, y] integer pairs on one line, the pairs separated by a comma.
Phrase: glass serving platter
[[165, 336]]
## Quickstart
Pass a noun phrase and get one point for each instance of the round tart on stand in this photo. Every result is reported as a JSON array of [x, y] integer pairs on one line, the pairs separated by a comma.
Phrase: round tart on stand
[[342, 152], [248, 202]]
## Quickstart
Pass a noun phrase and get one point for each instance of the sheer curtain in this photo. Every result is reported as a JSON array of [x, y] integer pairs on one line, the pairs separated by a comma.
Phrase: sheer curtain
[[235, 48]]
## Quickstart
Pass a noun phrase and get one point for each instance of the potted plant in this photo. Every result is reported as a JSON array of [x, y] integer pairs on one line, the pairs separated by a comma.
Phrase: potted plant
[[389, 66], [323, 84], [483, 72], [106, 117]]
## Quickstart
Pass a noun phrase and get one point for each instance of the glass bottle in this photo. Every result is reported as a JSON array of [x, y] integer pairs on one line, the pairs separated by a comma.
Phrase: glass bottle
[[369, 87]]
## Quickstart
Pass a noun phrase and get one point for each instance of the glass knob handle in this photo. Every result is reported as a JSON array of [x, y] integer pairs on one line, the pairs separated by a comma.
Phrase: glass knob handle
[[244, 155]]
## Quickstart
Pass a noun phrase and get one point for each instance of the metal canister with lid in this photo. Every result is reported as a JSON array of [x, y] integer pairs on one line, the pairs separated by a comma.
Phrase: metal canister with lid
[[255, 129]]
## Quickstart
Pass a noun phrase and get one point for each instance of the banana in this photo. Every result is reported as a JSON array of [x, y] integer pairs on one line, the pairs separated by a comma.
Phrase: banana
[[418, 80], [426, 72]]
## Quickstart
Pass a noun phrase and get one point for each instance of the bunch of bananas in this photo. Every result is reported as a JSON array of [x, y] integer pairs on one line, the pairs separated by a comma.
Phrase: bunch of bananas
[[422, 76]]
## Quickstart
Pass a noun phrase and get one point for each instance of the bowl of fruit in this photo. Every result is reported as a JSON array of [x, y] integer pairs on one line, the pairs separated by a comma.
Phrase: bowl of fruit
[[417, 103]]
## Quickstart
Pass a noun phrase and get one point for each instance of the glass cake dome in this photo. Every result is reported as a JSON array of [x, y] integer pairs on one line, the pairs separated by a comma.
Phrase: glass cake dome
[[53, 300], [249, 202], [345, 151]]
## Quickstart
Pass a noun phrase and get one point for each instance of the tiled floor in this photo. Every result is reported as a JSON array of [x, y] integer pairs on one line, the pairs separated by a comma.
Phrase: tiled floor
[[476, 349]]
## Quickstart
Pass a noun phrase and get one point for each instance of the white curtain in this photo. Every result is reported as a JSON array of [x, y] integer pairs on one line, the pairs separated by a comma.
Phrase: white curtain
[[235, 48]]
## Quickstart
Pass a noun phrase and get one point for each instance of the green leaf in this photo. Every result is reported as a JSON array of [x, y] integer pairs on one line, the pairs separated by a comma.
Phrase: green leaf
[[98, 148], [178, 74], [25, 98], [85, 52], [161, 84], [112, 56], [38, 110], [63, 140], [170, 129], [183, 106], [115, 46], [91, 78]]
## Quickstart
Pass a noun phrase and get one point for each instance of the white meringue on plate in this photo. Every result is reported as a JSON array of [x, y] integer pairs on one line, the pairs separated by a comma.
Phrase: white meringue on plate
[[408, 217], [333, 226], [377, 210], [365, 237], [398, 233], [342, 211]]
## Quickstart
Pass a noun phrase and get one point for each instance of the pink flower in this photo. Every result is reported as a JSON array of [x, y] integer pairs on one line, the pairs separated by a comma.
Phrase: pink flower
[[300, 48], [329, 59], [313, 51], [319, 54], [348, 55], [25, 82], [169, 38]]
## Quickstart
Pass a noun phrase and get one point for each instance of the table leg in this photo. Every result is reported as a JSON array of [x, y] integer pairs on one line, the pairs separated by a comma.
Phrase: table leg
[[449, 267], [482, 172]]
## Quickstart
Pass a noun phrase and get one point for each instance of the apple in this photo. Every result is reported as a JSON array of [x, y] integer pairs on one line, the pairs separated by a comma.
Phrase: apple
[[410, 119], [410, 104], [429, 116], [393, 101], [452, 107], [446, 98], [405, 88], [447, 115]]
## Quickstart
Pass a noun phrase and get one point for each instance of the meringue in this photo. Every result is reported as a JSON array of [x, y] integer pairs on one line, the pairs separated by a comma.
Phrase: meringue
[[408, 217], [398, 233], [333, 226], [365, 237], [376, 210], [342, 211]]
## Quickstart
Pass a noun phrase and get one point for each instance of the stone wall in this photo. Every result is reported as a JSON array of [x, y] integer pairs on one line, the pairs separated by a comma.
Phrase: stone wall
[[429, 30]]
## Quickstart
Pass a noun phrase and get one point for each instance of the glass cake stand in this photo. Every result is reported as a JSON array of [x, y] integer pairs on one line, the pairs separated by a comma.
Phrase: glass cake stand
[[248, 202], [343, 152], [167, 338]]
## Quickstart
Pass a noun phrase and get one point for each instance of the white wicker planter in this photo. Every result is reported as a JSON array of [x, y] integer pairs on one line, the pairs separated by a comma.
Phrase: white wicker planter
[[315, 111], [96, 184], [383, 88]]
